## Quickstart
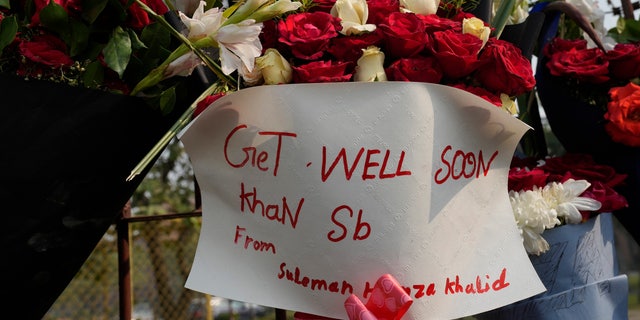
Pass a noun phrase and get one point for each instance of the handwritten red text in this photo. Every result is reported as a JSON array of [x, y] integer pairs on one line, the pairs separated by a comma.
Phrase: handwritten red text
[[251, 243], [369, 164], [280, 212], [295, 276], [362, 229], [417, 290], [454, 286], [254, 157], [462, 164]]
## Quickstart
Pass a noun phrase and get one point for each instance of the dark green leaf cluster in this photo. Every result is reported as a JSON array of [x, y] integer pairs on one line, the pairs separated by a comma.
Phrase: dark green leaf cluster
[[626, 31], [108, 51]]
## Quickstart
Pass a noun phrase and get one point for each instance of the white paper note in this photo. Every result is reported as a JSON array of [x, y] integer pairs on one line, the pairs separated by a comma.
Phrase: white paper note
[[311, 192]]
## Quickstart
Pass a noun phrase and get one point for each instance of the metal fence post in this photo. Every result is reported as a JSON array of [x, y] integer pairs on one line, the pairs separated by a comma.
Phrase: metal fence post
[[124, 263]]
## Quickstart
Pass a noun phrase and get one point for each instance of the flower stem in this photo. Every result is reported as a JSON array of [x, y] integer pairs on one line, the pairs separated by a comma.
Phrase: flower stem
[[180, 124], [217, 70]]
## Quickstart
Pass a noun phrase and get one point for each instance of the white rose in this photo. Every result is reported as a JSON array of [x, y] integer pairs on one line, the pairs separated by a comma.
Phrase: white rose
[[370, 66], [477, 28], [353, 15], [425, 7], [275, 68]]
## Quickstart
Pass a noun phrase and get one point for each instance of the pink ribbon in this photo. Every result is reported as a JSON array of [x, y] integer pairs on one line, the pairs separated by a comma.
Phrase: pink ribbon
[[388, 301]]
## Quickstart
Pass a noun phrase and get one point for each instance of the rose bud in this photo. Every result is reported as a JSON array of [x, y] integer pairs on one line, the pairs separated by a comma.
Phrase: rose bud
[[370, 66], [477, 28], [424, 7], [275, 68]]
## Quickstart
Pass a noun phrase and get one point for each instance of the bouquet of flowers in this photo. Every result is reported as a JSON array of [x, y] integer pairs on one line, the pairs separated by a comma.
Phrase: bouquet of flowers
[[587, 81], [104, 45], [602, 74], [568, 189], [270, 43]]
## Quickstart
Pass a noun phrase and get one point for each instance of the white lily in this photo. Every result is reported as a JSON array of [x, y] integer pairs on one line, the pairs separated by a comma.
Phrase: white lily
[[353, 15], [274, 9], [202, 23], [182, 66], [246, 9], [239, 45]]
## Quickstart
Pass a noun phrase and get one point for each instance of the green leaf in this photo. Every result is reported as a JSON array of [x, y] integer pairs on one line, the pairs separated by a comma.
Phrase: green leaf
[[156, 37], [5, 4], [54, 17], [167, 100], [91, 9], [93, 75], [118, 51], [157, 40], [8, 30], [626, 30], [136, 43], [79, 37], [502, 16]]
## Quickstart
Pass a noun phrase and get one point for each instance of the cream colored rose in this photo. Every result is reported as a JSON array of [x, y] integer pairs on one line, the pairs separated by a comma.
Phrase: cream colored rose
[[251, 77], [477, 28], [370, 66], [353, 15], [509, 105], [275, 68], [425, 7]]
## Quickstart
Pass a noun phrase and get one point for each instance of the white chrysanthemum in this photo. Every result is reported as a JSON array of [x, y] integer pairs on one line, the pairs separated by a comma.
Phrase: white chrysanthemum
[[533, 215], [542, 208], [565, 197]]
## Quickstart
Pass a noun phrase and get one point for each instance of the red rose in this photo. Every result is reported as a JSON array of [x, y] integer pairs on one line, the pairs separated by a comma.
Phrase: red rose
[[523, 179], [480, 92], [158, 6], [461, 15], [68, 5], [349, 49], [624, 61], [379, 10], [526, 162], [581, 166], [434, 23], [588, 65], [404, 35], [206, 102], [504, 69], [456, 52], [46, 49], [321, 71], [269, 35], [561, 45], [136, 17], [418, 69], [623, 113], [308, 34], [609, 198], [322, 6]]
